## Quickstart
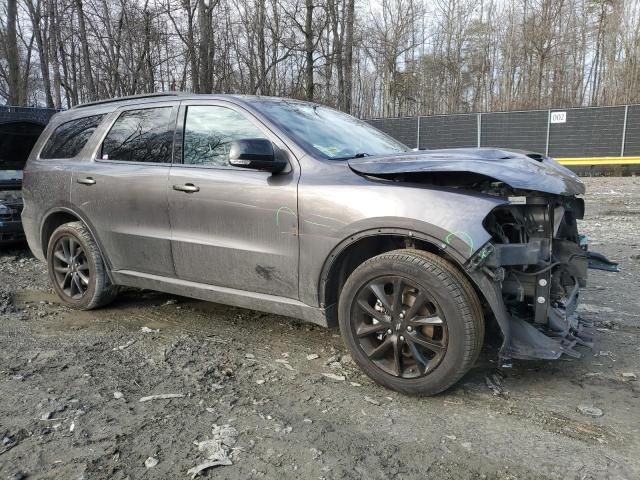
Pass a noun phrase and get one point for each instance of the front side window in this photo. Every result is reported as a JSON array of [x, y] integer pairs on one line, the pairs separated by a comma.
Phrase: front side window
[[144, 135], [209, 131], [69, 138]]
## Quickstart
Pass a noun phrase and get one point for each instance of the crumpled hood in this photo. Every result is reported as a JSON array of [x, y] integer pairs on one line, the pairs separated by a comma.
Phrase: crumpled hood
[[518, 169]]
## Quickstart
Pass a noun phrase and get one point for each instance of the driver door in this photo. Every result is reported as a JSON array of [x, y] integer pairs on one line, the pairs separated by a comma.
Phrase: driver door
[[231, 227]]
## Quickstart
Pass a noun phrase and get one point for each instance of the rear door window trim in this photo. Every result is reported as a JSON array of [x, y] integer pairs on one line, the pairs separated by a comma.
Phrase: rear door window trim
[[102, 116], [97, 148]]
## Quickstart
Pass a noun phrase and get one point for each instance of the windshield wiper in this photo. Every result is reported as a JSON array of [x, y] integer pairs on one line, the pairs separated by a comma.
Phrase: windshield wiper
[[357, 155]]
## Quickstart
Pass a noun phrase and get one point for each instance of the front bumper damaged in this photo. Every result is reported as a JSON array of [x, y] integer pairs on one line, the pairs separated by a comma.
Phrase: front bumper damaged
[[563, 331], [566, 330], [533, 287]]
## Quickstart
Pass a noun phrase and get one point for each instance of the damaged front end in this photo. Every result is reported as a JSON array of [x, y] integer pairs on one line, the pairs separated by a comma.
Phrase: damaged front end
[[533, 269]]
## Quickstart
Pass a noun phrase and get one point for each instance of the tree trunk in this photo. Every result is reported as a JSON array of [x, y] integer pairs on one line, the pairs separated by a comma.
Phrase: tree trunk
[[262, 50], [24, 82], [204, 49], [337, 32], [13, 59], [88, 80], [35, 12], [52, 41], [191, 46], [308, 50], [348, 57]]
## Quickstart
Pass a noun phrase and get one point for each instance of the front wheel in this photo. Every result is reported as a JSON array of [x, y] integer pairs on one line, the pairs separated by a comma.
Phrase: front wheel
[[76, 268], [412, 321]]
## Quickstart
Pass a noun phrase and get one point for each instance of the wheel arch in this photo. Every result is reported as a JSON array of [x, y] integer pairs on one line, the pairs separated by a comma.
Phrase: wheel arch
[[358, 248], [59, 216]]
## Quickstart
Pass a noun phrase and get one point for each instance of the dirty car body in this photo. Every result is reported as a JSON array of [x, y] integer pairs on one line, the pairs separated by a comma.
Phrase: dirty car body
[[289, 240]]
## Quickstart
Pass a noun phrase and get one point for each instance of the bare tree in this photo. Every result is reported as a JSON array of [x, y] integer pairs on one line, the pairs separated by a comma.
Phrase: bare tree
[[370, 58], [10, 42]]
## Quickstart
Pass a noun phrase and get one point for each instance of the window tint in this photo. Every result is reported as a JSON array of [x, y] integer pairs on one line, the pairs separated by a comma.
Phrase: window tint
[[209, 131], [140, 136], [70, 137]]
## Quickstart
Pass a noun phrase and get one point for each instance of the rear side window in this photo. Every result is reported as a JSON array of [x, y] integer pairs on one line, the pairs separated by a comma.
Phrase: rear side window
[[144, 135], [70, 137]]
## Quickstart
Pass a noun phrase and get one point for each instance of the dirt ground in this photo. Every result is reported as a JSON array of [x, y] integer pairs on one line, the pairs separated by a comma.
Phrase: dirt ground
[[71, 384]]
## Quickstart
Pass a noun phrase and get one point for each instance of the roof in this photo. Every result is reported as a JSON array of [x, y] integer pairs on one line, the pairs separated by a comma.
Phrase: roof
[[182, 95], [128, 98]]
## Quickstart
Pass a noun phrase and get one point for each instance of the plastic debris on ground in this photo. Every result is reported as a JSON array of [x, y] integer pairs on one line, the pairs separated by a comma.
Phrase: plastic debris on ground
[[162, 396], [217, 449]]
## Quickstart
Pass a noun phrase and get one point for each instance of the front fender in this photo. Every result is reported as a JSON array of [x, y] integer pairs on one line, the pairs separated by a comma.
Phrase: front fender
[[332, 217]]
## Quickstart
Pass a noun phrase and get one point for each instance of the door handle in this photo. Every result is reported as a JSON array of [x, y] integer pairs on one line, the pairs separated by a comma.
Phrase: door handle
[[187, 187], [86, 181]]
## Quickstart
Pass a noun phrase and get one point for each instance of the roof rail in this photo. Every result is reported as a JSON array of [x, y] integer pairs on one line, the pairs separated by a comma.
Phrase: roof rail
[[130, 97]]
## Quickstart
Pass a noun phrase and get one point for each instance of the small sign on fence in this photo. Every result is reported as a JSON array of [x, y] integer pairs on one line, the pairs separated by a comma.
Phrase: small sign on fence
[[558, 117]]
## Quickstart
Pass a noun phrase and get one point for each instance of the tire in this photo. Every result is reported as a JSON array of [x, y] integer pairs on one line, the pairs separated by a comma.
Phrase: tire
[[441, 336], [72, 252], [477, 310]]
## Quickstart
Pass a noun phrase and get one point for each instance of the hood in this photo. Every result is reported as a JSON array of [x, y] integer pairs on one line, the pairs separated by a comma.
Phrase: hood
[[519, 169]]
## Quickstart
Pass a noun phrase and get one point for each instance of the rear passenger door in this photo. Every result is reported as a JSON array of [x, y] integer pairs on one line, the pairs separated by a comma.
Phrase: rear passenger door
[[122, 189]]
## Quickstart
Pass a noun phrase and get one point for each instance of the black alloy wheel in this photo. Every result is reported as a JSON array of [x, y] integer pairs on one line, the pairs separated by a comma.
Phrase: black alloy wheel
[[399, 326], [71, 267], [412, 321], [76, 268]]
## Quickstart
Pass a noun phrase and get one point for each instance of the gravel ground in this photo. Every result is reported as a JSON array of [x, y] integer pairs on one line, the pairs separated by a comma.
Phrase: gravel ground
[[255, 386]]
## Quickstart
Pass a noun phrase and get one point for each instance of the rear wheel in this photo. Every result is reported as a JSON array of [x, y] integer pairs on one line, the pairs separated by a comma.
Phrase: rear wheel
[[76, 268], [412, 321]]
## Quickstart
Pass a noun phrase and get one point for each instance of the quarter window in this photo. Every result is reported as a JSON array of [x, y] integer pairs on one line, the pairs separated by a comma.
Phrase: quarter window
[[209, 131], [69, 138], [144, 135]]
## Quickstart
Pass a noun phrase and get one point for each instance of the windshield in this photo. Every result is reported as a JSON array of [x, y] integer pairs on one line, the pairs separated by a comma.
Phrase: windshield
[[331, 134]]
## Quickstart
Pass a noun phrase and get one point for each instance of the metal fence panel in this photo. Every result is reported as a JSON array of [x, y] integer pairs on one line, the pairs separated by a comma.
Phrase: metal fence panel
[[588, 132], [519, 130], [632, 137], [582, 132], [448, 131], [26, 114], [404, 130]]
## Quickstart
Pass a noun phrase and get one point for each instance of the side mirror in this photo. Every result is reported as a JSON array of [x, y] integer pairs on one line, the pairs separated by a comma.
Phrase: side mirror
[[255, 153]]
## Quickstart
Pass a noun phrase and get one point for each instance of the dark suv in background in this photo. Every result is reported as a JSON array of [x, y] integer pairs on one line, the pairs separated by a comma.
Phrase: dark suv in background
[[294, 208], [10, 205], [17, 139]]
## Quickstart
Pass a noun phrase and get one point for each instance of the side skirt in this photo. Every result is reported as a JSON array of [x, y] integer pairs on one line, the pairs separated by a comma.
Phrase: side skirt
[[228, 296]]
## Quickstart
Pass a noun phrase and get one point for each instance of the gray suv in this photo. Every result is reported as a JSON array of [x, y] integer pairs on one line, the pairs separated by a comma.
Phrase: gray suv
[[294, 208]]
